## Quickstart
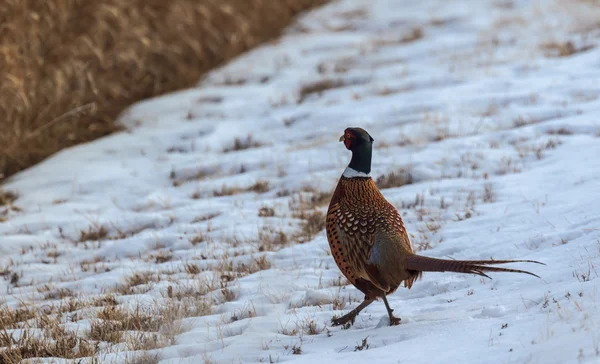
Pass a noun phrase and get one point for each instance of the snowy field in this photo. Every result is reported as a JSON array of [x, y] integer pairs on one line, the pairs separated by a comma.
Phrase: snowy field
[[196, 235]]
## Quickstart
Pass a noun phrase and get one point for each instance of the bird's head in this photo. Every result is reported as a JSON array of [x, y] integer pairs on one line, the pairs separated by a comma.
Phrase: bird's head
[[356, 138], [360, 143]]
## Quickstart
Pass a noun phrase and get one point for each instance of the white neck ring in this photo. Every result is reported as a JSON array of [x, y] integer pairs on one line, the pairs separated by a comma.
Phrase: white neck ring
[[352, 173]]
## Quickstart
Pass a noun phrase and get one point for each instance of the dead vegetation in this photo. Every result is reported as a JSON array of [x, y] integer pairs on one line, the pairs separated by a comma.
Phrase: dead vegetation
[[93, 233], [197, 238], [243, 144], [488, 193], [309, 210], [564, 49], [412, 35], [318, 88], [314, 222], [42, 332], [260, 186], [131, 284], [525, 150], [56, 342], [197, 176], [270, 239], [7, 199], [559, 131], [364, 345], [70, 67], [394, 179], [317, 198], [266, 211], [206, 217]]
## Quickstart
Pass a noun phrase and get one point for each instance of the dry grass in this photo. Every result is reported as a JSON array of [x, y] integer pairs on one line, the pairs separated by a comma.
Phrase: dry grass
[[559, 131], [270, 239], [310, 211], [364, 345], [314, 222], [205, 217], [55, 343], [144, 358], [135, 280], [93, 233], [488, 193], [563, 49], [7, 198], [318, 198], [243, 144], [412, 35], [197, 238], [43, 334], [50, 339], [318, 88], [69, 67], [266, 211], [394, 179], [259, 186]]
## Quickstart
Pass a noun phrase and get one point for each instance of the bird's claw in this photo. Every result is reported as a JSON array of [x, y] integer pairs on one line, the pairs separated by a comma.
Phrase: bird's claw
[[395, 321], [345, 321]]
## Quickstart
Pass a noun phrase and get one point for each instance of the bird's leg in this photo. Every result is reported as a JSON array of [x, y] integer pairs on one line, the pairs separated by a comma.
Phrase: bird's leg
[[350, 316], [393, 320]]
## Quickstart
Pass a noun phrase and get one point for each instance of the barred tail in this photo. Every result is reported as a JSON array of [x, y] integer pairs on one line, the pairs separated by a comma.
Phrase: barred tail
[[425, 264]]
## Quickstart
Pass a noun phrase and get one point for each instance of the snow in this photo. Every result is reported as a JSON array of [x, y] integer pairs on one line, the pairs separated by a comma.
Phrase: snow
[[500, 136]]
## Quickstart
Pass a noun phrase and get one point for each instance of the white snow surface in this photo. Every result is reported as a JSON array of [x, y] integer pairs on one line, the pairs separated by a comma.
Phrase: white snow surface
[[498, 130]]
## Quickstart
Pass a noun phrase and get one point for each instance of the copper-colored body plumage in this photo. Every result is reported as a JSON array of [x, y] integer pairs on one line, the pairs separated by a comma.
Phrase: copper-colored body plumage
[[357, 213], [369, 242]]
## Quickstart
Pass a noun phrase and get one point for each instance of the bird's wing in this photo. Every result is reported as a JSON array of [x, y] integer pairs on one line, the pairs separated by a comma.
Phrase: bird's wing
[[386, 266], [352, 240]]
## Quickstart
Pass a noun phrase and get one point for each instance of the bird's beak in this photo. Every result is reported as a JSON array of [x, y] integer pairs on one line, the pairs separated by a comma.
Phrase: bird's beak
[[342, 138]]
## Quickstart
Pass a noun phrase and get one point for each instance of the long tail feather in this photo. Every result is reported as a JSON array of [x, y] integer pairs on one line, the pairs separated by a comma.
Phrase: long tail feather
[[426, 264]]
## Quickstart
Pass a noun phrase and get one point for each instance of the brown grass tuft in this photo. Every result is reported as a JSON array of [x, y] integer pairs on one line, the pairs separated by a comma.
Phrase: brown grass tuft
[[137, 279], [412, 35], [7, 198], [108, 300], [318, 88], [243, 144], [313, 223], [266, 211], [317, 198], [259, 186], [270, 239], [11, 318], [488, 193], [70, 67], [94, 233], [144, 358], [394, 179], [43, 334], [559, 131], [192, 268], [55, 343], [563, 49]]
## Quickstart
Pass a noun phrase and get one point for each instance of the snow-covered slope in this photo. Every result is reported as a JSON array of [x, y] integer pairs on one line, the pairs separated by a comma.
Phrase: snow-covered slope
[[208, 210]]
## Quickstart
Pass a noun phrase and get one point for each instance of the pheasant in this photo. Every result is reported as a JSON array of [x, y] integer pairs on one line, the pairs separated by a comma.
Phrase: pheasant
[[369, 242]]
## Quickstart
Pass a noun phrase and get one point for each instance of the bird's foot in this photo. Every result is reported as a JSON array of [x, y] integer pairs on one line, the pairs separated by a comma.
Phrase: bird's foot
[[345, 321], [394, 320]]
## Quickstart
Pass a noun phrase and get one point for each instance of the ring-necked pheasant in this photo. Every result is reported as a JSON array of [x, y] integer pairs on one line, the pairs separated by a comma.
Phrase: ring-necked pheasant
[[369, 242]]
